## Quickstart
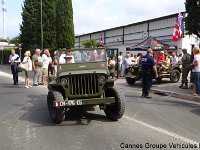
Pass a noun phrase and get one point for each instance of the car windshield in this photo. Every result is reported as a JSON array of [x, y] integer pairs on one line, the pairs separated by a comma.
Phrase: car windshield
[[82, 56]]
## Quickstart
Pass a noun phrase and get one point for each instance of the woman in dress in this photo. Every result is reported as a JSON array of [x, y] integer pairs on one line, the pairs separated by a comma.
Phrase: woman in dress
[[28, 62]]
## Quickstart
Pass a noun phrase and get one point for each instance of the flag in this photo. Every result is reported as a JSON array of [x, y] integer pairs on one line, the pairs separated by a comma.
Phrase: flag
[[101, 42], [176, 35], [179, 21], [178, 28]]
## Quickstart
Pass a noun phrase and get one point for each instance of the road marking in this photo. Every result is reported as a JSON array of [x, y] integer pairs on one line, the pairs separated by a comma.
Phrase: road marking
[[9, 76], [168, 133], [21, 79]]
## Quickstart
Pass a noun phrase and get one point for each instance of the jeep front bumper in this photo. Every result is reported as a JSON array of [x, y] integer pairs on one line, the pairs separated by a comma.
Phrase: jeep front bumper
[[81, 102]]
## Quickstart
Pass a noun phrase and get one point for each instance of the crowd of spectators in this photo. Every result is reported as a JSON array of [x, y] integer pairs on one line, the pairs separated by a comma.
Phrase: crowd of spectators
[[43, 65]]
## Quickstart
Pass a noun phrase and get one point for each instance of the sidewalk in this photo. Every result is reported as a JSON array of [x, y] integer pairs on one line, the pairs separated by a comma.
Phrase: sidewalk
[[166, 88], [175, 91]]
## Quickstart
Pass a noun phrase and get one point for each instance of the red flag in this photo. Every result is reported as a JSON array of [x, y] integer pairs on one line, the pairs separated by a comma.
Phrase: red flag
[[176, 35]]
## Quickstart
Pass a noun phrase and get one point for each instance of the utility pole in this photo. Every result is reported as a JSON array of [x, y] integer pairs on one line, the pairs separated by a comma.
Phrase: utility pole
[[42, 38], [4, 18]]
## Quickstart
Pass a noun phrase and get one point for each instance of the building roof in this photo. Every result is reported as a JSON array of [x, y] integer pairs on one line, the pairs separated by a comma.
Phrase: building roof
[[137, 23]]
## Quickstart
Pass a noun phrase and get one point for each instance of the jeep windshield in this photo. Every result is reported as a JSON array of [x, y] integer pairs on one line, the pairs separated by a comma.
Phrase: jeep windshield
[[82, 56]]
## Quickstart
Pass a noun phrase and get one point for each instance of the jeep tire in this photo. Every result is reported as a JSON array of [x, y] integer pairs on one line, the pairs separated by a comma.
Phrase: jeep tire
[[175, 76], [130, 81], [159, 79], [57, 114], [115, 111]]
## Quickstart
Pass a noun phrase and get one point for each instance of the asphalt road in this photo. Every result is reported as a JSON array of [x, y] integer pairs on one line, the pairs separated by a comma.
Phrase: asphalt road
[[25, 123]]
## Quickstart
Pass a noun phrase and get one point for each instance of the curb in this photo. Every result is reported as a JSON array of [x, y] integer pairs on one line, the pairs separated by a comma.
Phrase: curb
[[177, 95]]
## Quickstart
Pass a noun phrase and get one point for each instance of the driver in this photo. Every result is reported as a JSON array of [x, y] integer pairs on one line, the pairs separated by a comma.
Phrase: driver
[[69, 54], [62, 59], [68, 59]]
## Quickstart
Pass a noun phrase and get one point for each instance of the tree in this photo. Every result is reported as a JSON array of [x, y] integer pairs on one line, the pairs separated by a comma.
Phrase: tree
[[57, 24], [49, 23], [30, 28], [15, 40], [91, 43], [192, 21], [64, 24]]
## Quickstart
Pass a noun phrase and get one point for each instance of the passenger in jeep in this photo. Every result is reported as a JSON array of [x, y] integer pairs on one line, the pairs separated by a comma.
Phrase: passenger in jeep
[[166, 63], [160, 57], [94, 56]]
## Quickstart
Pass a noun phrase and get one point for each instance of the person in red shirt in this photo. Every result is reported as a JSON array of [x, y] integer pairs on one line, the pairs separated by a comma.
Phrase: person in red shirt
[[160, 57]]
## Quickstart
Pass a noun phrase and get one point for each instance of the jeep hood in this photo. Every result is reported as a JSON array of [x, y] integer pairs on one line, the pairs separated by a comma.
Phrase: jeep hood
[[82, 68]]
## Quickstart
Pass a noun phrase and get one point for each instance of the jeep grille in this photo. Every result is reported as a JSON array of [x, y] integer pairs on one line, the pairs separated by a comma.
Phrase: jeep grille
[[83, 85]]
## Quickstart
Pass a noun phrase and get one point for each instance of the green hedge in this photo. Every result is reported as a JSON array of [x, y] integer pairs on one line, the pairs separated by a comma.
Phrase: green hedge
[[6, 54]]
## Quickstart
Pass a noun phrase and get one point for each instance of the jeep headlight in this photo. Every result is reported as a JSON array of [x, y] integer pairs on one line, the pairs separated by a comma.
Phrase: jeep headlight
[[64, 81], [102, 78]]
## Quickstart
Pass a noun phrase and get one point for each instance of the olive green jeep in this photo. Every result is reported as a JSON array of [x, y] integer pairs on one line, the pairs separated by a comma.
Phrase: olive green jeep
[[135, 73], [83, 80]]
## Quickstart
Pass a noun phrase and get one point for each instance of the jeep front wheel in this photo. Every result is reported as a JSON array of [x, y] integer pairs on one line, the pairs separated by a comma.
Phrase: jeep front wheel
[[57, 114], [159, 79], [115, 111], [175, 76], [130, 81]]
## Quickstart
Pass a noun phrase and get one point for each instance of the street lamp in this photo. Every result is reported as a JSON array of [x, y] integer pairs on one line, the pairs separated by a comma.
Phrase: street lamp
[[41, 11], [1, 48], [20, 50]]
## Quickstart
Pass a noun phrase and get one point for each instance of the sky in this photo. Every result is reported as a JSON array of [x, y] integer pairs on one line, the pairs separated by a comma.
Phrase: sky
[[96, 15]]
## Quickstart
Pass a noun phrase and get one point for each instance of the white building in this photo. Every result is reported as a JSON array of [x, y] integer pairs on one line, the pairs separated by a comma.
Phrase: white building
[[128, 35]]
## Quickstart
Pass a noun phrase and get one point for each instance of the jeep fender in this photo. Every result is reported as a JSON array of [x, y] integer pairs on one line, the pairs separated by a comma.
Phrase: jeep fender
[[59, 88]]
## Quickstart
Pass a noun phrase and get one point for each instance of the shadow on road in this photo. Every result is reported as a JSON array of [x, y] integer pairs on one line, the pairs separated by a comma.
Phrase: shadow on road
[[36, 112], [160, 101], [9, 86], [138, 84]]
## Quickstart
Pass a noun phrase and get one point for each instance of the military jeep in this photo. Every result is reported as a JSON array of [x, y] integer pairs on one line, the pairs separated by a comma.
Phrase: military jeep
[[135, 73], [83, 80]]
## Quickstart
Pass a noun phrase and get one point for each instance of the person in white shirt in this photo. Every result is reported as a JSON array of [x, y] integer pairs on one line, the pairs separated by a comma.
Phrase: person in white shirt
[[196, 71], [14, 60], [174, 59], [27, 60], [62, 58], [120, 60], [127, 62], [45, 66]]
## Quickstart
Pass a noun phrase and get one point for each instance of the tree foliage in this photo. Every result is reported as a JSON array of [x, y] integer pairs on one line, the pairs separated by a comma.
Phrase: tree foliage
[[192, 21], [91, 43], [15, 40], [30, 24], [57, 24], [64, 24], [49, 23]]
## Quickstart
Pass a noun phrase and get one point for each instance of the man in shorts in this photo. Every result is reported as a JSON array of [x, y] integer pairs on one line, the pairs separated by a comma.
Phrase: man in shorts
[[37, 67], [45, 60]]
